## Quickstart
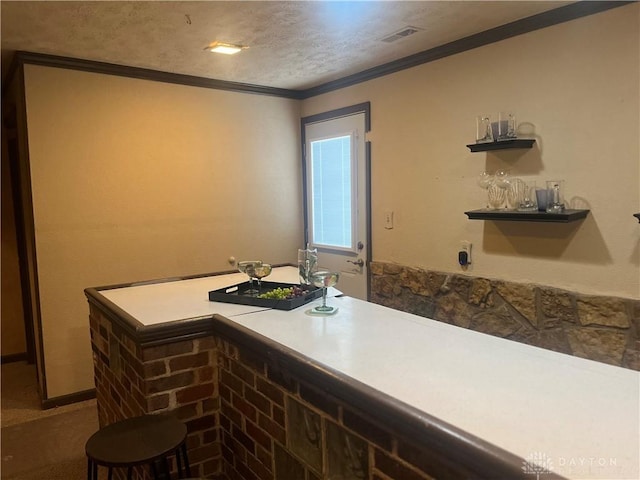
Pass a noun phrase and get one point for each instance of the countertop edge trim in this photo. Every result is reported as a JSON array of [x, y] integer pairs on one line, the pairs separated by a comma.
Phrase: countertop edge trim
[[150, 335], [174, 279]]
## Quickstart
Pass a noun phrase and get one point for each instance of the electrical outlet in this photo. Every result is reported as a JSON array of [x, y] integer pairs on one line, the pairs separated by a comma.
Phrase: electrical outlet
[[464, 255], [388, 219]]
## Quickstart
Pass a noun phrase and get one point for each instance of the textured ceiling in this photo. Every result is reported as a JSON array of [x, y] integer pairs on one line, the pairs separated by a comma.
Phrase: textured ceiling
[[293, 44]]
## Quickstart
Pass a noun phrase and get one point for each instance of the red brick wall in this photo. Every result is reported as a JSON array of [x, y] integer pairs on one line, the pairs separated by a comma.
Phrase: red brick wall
[[181, 377]]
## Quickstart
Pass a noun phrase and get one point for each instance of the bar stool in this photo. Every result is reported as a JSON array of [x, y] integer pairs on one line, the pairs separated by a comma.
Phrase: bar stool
[[147, 439]]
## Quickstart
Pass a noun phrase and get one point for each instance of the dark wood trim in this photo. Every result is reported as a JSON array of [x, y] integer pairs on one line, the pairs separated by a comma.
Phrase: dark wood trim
[[13, 159], [176, 279], [481, 458], [519, 27], [10, 76], [364, 107], [147, 74], [68, 399], [369, 229], [14, 357], [305, 204], [25, 231]]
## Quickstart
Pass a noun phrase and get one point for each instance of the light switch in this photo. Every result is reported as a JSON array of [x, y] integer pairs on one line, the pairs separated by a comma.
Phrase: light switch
[[388, 219]]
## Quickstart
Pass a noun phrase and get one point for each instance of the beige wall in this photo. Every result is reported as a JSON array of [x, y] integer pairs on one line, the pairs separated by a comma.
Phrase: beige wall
[[136, 180], [575, 86]]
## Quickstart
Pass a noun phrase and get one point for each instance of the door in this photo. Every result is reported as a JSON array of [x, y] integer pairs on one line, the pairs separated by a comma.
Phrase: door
[[336, 171]]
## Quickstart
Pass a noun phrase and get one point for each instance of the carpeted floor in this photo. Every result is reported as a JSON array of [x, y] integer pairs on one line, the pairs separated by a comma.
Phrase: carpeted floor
[[41, 444]]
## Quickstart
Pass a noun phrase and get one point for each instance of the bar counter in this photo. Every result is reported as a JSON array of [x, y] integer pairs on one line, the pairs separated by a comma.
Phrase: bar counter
[[369, 392]]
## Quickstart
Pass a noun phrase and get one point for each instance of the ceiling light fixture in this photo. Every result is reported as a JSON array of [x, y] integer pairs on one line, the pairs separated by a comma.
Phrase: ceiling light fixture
[[226, 48]]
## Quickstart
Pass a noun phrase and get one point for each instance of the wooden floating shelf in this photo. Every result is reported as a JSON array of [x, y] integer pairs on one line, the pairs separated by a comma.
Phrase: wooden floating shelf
[[515, 216], [502, 144]]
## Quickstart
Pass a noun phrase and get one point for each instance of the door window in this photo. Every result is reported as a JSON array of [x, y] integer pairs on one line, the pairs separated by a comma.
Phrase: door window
[[332, 192]]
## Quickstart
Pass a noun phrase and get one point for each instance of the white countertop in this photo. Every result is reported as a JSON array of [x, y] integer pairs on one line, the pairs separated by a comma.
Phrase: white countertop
[[583, 416], [155, 303]]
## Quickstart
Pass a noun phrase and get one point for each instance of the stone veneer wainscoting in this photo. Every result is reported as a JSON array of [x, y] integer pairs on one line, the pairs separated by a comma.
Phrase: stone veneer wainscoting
[[600, 328]]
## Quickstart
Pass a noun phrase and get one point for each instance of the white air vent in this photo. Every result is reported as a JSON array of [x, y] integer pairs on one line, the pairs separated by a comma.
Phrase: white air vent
[[403, 33]]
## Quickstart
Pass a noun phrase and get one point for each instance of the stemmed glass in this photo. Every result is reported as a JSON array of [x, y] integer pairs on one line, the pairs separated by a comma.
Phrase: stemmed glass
[[496, 186], [248, 268], [324, 279], [260, 272]]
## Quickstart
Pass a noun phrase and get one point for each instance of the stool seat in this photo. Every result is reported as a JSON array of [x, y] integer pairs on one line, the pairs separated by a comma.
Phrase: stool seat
[[136, 441]]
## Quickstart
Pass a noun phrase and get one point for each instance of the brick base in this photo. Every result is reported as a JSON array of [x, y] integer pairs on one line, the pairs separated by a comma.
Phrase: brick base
[[179, 377]]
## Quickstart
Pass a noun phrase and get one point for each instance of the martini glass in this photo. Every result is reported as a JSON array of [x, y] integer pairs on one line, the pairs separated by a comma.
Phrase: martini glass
[[260, 272], [248, 268], [324, 279]]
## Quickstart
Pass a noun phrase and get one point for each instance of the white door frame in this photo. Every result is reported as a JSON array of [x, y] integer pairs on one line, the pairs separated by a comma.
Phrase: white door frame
[[330, 115]]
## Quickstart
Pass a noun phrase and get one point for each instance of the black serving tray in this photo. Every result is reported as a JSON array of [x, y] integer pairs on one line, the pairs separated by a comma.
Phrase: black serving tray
[[236, 294]]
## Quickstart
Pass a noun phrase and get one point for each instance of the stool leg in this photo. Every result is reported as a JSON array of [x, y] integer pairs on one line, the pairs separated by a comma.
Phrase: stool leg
[[154, 470], [129, 473], [89, 469], [179, 463], [165, 466], [187, 468]]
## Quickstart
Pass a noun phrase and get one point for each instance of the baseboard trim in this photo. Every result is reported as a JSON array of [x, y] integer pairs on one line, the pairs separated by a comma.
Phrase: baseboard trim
[[14, 357], [68, 399]]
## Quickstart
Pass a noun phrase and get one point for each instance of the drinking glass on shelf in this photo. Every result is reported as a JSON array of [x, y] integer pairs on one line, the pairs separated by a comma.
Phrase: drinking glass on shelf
[[324, 279], [529, 202], [542, 197], [495, 197], [484, 131], [507, 126], [502, 179], [555, 196], [248, 268], [261, 271], [516, 192], [485, 179]]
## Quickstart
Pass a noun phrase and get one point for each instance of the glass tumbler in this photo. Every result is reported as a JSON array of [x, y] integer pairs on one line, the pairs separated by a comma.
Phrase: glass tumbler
[[506, 126], [484, 131], [529, 202]]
